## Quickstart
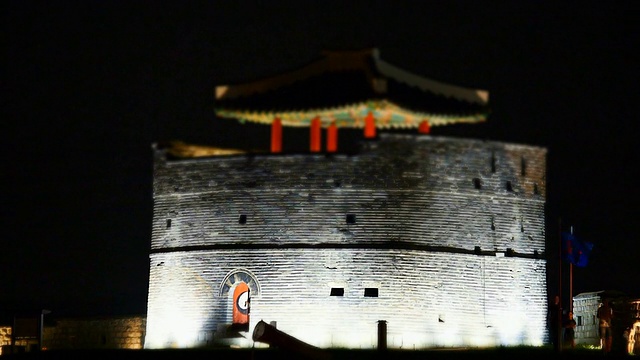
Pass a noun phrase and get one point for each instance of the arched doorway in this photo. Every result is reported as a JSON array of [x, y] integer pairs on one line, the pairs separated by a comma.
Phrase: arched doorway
[[241, 301], [238, 286]]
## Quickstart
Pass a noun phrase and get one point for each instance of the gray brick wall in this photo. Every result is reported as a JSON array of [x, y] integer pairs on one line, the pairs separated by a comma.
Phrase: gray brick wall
[[454, 264], [585, 310]]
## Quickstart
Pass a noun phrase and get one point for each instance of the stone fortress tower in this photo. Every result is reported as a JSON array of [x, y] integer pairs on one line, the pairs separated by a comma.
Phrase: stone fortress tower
[[442, 239]]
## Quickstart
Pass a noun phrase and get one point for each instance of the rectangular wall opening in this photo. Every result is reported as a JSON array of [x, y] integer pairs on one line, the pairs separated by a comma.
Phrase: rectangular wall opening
[[337, 292], [370, 292]]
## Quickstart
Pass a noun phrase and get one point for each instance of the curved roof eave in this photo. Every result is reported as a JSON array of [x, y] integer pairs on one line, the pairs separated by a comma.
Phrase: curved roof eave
[[476, 96], [349, 60]]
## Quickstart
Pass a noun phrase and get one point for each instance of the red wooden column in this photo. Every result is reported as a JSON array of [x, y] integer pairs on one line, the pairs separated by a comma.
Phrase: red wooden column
[[369, 126], [315, 135], [332, 137], [424, 127], [276, 136]]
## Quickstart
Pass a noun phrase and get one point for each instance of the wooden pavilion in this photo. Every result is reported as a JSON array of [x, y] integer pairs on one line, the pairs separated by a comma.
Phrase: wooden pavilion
[[349, 89]]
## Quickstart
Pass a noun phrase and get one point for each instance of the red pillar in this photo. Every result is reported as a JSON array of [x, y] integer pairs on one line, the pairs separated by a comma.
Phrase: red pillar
[[369, 126], [424, 127], [276, 136], [332, 138], [316, 134]]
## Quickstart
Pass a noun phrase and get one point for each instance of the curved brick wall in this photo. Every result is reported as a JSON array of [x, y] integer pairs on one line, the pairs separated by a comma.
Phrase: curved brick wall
[[457, 256]]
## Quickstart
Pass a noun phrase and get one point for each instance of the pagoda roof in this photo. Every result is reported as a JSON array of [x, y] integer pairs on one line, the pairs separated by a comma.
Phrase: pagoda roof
[[344, 87]]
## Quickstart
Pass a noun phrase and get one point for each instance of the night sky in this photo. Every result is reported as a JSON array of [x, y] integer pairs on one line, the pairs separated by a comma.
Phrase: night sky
[[89, 86]]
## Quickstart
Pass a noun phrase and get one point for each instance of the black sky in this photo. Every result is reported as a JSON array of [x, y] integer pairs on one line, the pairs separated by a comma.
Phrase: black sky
[[89, 86]]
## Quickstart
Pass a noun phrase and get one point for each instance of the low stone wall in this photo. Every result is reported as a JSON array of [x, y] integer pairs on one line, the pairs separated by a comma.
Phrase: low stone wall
[[96, 333], [5, 337]]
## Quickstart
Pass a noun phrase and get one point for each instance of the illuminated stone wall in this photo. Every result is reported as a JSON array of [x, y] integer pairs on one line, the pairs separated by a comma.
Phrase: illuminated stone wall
[[585, 310], [450, 233], [96, 333], [5, 337]]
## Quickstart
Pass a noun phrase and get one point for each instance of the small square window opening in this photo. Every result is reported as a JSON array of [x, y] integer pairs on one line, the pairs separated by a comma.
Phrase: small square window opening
[[337, 292], [351, 218], [371, 292]]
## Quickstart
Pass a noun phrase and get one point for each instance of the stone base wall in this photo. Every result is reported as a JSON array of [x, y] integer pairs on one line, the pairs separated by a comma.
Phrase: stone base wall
[[96, 333], [5, 337]]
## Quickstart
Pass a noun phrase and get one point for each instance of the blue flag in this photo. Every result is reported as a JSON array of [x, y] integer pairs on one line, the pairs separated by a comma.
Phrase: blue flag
[[575, 250]]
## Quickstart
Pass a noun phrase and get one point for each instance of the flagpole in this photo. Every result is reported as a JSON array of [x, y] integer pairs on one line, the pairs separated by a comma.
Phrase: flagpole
[[560, 259], [571, 281], [559, 315]]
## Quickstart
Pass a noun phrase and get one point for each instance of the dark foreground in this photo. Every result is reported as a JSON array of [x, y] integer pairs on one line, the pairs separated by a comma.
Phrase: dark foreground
[[514, 353]]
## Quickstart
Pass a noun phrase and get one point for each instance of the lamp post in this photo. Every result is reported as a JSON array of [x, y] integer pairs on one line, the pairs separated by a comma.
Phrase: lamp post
[[41, 332]]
